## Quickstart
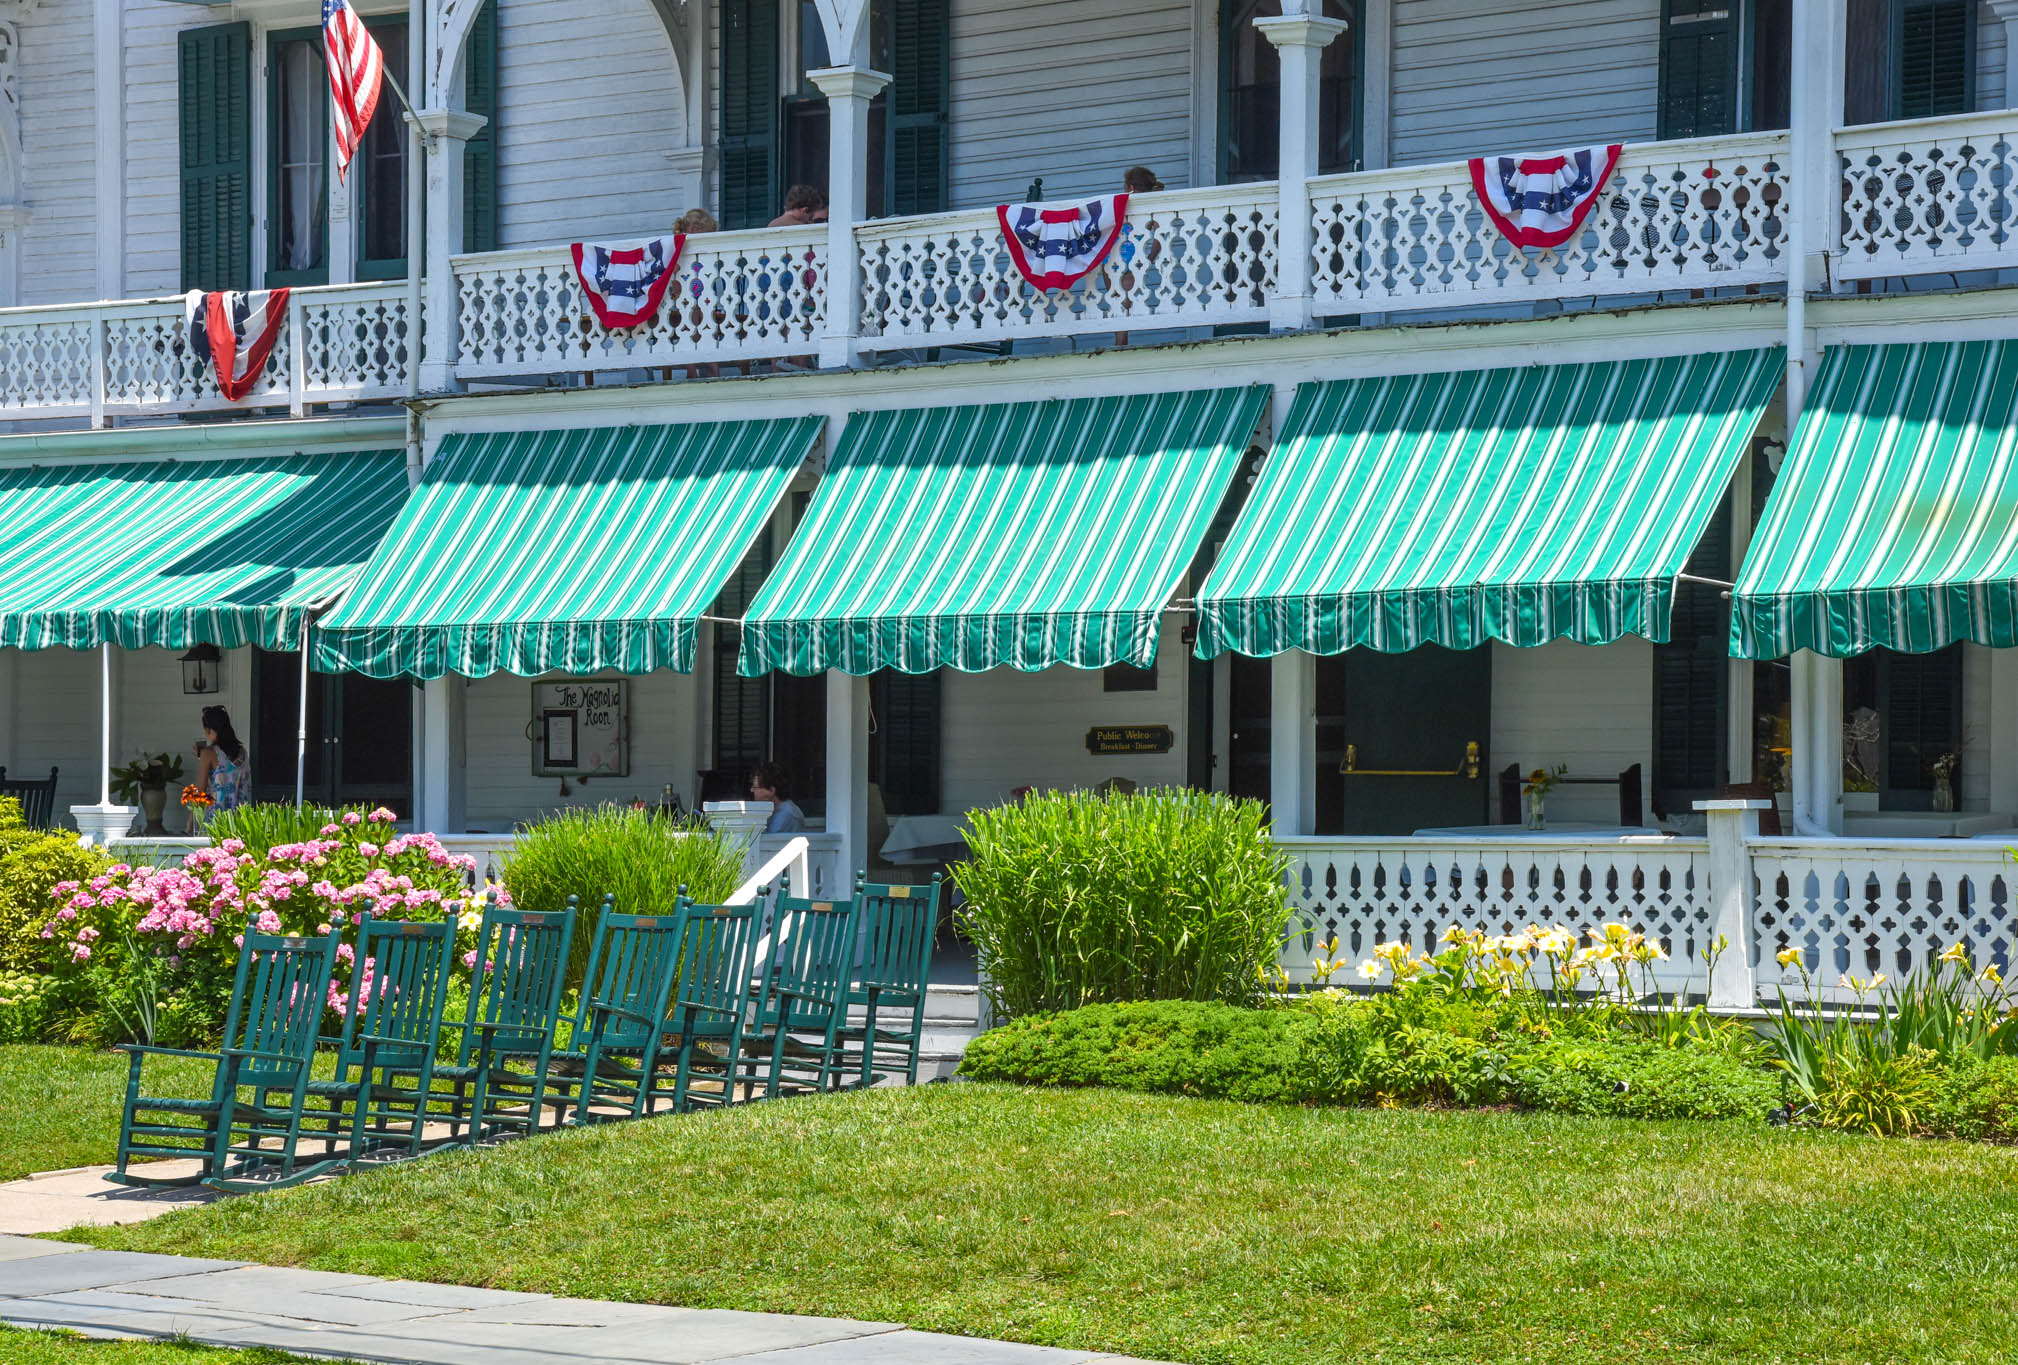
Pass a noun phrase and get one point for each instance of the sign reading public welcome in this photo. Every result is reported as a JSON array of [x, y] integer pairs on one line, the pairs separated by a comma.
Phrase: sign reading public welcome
[[1129, 739]]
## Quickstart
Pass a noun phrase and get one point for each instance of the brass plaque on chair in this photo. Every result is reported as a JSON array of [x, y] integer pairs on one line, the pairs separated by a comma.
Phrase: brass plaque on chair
[[1129, 739]]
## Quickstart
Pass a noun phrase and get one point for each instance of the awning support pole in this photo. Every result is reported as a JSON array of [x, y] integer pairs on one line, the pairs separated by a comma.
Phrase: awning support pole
[[105, 725], [301, 720]]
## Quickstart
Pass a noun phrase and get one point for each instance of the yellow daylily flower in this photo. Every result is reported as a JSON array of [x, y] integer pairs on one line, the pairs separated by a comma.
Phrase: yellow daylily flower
[[1956, 953], [1789, 957]]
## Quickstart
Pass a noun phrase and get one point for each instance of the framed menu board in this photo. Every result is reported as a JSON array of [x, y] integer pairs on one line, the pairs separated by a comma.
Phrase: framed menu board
[[581, 728]]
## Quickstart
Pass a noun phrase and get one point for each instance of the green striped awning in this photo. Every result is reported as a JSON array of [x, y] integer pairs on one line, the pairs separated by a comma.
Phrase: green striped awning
[[564, 551], [1520, 505], [1018, 534], [1894, 522], [180, 552]]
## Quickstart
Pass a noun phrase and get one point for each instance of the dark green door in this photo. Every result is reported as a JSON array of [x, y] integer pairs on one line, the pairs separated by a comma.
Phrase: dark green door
[[360, 736], [1393, 740]]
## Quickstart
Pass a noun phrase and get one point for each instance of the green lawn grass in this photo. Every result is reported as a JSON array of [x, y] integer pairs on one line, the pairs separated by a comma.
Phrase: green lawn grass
[[64, 1348], [59, 1106], [1204, 1231]]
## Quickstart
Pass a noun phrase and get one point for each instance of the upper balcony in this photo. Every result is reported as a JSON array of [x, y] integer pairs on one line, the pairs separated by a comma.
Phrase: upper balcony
[[1679, 220]]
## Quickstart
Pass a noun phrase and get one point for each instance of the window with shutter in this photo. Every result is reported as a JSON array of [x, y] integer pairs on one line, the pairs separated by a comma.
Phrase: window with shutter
[[1937, 52], [1919, 719], [214, 69], [1699, 68], [297, 159], [749, 157], [917, 152], [479, 162], [742, 716], [904, 747], [1691, 679]]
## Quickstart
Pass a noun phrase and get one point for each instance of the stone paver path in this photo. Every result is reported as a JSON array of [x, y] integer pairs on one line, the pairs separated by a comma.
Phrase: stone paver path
[[361, 1317], [55, 1200]]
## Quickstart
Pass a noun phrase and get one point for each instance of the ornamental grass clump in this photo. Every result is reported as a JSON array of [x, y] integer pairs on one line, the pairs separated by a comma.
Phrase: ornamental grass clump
[[1077, 898], [638, 857]]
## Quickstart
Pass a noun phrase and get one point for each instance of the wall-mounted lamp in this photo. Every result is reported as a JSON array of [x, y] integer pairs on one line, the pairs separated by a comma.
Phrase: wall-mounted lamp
[[202, 671]]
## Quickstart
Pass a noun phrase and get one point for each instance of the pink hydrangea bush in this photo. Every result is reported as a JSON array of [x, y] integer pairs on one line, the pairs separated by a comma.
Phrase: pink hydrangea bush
[[194, 915]]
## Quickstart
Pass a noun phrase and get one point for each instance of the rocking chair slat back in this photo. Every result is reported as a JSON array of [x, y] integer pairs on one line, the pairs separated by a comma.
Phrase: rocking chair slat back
[[718, 944], [410, 963], [896, 924], [282, 1004], [630, 967], [527, 956], [812, 960]]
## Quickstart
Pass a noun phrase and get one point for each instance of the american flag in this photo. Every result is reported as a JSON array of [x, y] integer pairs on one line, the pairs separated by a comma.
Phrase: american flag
[[356, 68]]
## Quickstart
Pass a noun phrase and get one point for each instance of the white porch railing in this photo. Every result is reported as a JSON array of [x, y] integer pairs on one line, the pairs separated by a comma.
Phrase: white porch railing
[[1701, 214], [342, 343], [737, 296], [1930, 195], [1185, 258], [1852, 907]]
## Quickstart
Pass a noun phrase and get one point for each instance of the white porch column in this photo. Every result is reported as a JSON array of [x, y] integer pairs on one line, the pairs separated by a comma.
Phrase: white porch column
[[2002, 742], [1817, 732], [448, 132], [1292, 742], [1815, 105], [442, 804], [1300, 40], [848, 90], [848, 769], [2006, 12], [104, 822], [1733, 826]]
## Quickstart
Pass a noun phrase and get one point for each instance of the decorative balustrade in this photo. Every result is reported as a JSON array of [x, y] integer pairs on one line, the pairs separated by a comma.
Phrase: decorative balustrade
[[1933, 194], [737, 296], [1185, 258], [1701, 214], [1368, 891], [1871, 908], [342, 343]]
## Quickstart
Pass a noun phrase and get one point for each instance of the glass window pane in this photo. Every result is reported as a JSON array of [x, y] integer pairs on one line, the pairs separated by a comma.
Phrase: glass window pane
[[301, 190], [382, 182]]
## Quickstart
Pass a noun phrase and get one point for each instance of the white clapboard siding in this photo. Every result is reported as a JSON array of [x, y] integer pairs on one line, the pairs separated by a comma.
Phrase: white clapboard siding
[[54, 723], [58, 153], [1002, 729], [1075, 91], [1588, 706], [588, 110], [498, 767], [153, 145], [1479, 77]]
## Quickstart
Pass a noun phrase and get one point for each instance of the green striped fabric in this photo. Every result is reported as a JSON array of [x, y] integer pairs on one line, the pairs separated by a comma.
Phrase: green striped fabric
[[1018, 534], [1450, 509], [1894, 522], [564, 551], [182, 552]]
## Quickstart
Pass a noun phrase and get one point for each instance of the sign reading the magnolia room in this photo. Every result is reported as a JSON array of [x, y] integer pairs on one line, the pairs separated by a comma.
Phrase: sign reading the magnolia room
[[580, 728], [1129, 739]]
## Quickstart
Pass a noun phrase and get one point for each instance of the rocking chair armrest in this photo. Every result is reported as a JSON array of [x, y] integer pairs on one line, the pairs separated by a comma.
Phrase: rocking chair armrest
[[386, 1040], [491, 1032], [255, 1055], [139, 1050], [605, 1007]]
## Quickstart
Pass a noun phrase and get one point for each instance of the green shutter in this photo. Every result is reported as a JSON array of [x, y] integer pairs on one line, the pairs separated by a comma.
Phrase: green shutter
[[1691, 671], [749, 112], [919, 95], [215, 71], [1936, 52], [479, 164], [904, 757], [1919, 719], [1699, 68]]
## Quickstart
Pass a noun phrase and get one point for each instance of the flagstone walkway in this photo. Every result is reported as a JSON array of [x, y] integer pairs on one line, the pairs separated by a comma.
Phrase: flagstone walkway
[[361, 1317]]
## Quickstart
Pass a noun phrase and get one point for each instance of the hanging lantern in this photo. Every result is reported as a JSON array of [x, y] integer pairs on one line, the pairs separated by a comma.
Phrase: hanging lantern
[[202, 671]]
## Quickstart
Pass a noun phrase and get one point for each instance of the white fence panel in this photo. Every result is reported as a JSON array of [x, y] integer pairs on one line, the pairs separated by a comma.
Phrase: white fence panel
[[1930, 195]]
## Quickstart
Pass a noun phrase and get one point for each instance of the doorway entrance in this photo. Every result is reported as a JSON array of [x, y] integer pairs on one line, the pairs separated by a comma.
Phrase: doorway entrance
[[360, 736], [1402, 740]]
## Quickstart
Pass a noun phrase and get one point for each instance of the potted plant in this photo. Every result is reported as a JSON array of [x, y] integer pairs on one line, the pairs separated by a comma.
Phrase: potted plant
[[148, 776]]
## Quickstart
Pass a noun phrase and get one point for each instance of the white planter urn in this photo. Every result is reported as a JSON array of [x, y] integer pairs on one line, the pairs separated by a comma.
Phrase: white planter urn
[[100, 825]]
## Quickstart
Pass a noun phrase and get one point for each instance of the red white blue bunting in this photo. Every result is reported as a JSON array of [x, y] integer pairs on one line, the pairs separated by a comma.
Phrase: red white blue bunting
[[233, 334], [1541, 201], [626, 284], [1056, 245]]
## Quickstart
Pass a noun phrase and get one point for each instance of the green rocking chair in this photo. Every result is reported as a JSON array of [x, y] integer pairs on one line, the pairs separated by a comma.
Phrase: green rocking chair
[[718, 946], [891, 969], [389, 1037], [613, 1051], [277, 1001], [804, 995], [498, 1081]]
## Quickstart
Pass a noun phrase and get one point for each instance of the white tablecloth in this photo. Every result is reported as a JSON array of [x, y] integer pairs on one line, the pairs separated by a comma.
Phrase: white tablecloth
[[924, 838]]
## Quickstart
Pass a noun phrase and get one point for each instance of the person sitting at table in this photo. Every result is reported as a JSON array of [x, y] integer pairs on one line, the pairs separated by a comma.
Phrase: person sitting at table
[[767, 783]]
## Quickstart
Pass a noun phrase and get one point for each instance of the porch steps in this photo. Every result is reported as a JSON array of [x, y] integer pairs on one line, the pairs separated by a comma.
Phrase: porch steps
[[952, 1015]]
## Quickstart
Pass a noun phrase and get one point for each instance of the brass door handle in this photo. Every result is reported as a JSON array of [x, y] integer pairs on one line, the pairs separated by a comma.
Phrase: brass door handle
[[1468, 769]]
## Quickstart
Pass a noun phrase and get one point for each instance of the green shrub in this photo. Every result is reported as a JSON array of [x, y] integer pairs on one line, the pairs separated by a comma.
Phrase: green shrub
[[637, 856], [32, 862], [1078, 898], [1977, 1099], [1875, 1091], [265, 825], [1163, 1047], [1631, 1078]]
